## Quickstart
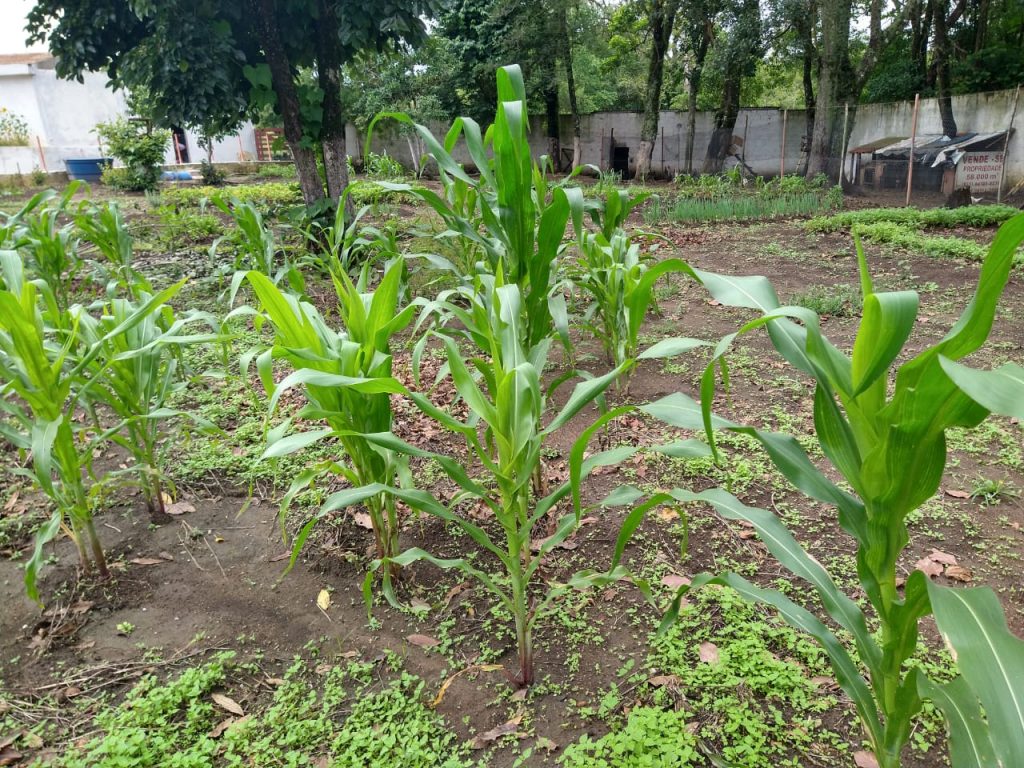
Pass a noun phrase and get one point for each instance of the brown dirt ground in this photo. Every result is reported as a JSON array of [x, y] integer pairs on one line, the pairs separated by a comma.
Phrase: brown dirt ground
[[219, 569]]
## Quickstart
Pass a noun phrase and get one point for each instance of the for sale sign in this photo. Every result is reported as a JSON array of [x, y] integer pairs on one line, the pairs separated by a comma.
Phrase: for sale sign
[[981, 171]]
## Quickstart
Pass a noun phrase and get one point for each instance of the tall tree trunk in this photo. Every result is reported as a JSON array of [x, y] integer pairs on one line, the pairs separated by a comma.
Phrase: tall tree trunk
[[810, 54], [333, 126], [662, 18], [941, 55], [834, 78], [265, 15], [981, 25], [551, 119], [696, 74], [570, 85], [725, 125]]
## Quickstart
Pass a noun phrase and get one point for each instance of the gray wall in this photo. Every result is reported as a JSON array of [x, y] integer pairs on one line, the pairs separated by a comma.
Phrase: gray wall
[[982, 113]]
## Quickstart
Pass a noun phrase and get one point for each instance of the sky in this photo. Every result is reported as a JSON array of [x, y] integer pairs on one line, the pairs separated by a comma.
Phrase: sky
[[12, 26]]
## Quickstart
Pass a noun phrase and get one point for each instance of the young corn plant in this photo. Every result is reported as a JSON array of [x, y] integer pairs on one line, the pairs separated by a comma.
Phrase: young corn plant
[[620, 286], [885, 435], [346, 378], [259, 249], [43, 389], [510, 213], [104, 227], [511, 418], [134, 374], [49, 247]]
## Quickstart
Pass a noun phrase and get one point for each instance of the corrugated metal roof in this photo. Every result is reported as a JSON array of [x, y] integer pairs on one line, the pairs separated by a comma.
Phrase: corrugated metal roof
[[875, 145]]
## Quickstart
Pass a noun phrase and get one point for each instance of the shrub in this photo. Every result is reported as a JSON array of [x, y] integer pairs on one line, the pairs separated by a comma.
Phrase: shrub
[[211, 174], [13, 129], [139, 147]]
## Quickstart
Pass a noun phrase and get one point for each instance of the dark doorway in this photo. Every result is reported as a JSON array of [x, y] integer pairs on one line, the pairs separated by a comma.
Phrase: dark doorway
[[180, 145], [620, 160]]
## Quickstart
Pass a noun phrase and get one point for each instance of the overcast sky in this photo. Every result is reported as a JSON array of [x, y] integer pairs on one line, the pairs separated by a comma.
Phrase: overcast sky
[[12, 26]]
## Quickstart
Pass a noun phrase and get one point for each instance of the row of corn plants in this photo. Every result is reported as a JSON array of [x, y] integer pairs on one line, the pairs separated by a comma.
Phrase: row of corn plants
[[880, 424]]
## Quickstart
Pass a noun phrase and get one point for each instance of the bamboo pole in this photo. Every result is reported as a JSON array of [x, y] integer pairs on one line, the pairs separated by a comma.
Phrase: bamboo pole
[[842, 146], [1006, 146], [42, 155], [913, 138], [782, 145]]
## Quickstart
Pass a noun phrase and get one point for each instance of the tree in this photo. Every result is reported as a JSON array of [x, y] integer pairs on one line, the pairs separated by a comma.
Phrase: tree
[[661, 16], [737, 55], [212, 64], [839, 83]]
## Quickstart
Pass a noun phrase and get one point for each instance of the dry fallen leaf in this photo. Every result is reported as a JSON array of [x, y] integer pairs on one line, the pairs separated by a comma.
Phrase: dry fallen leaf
[[423, 641], [708, 652], [179, 508], [363, 520], [665, 681], [148, 561], [667, 514], [220, 727], [227, 704], [929, 567], [942, 557], [323, 600], [485, 738], [451, 679], [864, 759], [959, 573], [675, 581], [958, 494]]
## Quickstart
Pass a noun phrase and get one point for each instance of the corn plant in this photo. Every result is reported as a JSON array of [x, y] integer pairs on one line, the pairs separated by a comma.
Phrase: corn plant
[[43, 390], [134, 374], [346, 378], [104, 227], [50, 248], [504, 436], [258, 248], [889, 445], [511, 213], [620, 285]]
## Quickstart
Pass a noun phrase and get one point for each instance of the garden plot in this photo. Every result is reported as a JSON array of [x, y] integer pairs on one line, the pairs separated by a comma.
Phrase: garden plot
[[521, 530]]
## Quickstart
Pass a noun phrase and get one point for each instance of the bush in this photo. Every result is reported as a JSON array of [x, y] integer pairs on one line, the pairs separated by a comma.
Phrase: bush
[[139, 147], [212, 175], [13, 129]]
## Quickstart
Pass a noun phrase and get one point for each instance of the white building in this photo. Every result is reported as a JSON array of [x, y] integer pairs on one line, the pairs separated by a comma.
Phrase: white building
[[61, 116]]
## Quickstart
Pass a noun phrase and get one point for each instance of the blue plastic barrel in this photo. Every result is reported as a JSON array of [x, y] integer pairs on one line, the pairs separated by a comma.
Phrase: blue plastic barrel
[[86, 168]]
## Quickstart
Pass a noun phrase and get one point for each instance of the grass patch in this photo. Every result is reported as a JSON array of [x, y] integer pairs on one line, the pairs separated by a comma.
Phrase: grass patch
[[976, 216], [902, 236], [830, 300], [269, 197], [741, 207]]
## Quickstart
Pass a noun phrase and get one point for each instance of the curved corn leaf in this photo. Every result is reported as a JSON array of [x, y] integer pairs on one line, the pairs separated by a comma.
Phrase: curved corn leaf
[[990, 658], [1000, 390]]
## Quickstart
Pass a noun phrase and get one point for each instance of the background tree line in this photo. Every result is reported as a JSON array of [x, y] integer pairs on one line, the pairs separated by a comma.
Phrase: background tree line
[[311, 65]]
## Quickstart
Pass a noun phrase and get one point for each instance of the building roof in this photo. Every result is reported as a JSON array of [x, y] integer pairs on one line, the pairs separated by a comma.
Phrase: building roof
[[24, 58], [871, 146]]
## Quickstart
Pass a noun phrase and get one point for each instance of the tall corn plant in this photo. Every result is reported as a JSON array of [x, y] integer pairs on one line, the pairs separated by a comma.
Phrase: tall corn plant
[[889, 445], [511, 417], [134, 374], [42, 392], [511, 213], [346, 378]]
